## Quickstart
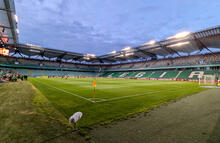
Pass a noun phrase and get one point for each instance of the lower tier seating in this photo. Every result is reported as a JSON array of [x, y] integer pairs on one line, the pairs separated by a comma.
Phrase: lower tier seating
[[38, 73], [186, 74]]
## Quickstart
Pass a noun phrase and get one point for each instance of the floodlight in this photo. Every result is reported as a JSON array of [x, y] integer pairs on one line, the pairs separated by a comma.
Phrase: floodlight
[[179, 44], [86, 57], [122, 55], [35, 51], [113, 52], [180, 35], [129, 54], [91, 55], [16, 18], [17, 31], [151, 42], [126, 48]]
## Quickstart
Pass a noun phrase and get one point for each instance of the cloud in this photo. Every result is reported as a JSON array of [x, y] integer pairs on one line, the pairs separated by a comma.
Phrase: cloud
[[99, 27]]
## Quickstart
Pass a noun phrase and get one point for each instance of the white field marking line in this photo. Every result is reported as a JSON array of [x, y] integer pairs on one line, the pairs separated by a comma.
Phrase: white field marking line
[[69, 84], [67, 92], [134, 95], [100, 99]]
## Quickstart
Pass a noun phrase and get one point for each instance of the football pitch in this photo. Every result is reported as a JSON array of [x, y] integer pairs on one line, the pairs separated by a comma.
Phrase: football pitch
[[114, 98]]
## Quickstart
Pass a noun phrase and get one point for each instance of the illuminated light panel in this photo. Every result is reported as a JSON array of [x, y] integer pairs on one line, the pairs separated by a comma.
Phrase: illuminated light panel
[[31, 45], [16, 18], [35, 51], [91, 55], [86, 57], [129, 54], [17, 31], [179, 44], [126, 48], [151, 42], [113, 52], [120, 55], [180, 35]]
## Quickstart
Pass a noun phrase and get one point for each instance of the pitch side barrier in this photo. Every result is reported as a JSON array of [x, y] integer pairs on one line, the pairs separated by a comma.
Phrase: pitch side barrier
[[164, 79]]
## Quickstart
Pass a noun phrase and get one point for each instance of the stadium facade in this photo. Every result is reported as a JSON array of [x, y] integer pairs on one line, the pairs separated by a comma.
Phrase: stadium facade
[[184, 56]]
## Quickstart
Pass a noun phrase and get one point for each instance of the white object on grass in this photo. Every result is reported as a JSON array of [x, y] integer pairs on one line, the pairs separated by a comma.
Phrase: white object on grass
[[75, 117]]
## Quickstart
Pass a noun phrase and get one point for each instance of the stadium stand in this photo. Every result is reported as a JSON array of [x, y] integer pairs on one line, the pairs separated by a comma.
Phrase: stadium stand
[[204, 59], [168, 75], [171, 68]]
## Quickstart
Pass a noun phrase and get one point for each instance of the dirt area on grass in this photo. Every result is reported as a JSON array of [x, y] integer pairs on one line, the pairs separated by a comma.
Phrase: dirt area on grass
[[193, 119]]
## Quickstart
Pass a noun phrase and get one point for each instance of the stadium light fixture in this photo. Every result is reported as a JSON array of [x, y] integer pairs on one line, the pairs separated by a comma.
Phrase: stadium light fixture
[[129, 54], [35, 51], [126, 48], [121, 55], [179, 44], [16, 18], [86, 58], [151, 42], [180, 35], [17, 31], [91, 55], [113, 52], [32, 45]]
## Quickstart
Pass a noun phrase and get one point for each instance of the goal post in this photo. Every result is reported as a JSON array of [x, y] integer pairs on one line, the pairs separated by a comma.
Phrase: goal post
[[207, 80]]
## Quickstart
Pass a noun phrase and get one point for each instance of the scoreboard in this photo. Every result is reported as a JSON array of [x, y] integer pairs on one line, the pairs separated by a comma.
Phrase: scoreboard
[[4, 52]]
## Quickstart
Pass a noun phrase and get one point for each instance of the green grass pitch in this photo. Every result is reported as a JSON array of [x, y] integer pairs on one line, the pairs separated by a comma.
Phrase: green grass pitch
[[114, 99]]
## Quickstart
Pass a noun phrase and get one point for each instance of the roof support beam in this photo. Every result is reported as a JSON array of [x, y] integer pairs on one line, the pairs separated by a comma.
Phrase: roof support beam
[[108, 60], [136, 56], [76, 58], [100, 60], [5, 9], [17, 52], [42, 54], [170, 50], [201, 45], [2, 26], [61, 56], [148, 53]]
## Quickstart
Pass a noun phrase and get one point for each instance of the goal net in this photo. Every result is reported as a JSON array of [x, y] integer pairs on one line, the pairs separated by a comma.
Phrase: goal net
[[207, 80]]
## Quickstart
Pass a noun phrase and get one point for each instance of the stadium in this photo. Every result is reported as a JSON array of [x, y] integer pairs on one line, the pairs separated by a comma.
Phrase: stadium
[[160, 91]]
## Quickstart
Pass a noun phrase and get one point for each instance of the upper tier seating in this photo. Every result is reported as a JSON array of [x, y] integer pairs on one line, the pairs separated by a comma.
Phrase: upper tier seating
[[169, 62], [205, 59]]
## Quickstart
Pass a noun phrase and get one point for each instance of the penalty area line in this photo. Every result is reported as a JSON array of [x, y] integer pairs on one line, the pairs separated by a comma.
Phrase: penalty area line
[[76, 95], [134, 95]]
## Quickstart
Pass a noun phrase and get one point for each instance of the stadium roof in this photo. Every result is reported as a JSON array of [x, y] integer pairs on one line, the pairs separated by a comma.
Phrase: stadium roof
[[184, 42], [8, 21], [180, 43]]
